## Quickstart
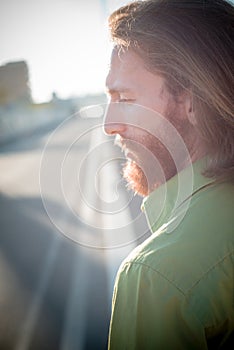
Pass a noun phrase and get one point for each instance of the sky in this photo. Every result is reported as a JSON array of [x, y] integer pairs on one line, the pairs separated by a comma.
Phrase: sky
[[65, 43]]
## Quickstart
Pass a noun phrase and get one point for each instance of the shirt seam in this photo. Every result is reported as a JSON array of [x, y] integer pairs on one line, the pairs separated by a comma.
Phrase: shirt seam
[[219, 262], [158, 272], [183, 292]]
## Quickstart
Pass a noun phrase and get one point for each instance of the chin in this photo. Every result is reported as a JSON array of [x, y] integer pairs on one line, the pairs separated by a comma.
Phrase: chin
[[136, 179], [148, 168]]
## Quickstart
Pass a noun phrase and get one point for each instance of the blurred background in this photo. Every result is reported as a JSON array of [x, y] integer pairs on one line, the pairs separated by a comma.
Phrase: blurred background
[[66, 218]]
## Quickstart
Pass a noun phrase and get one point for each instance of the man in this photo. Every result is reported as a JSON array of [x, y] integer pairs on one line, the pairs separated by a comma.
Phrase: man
[[171, 107]]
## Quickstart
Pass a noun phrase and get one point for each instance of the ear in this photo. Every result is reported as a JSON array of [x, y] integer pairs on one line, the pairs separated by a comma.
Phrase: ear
[[189, 109]]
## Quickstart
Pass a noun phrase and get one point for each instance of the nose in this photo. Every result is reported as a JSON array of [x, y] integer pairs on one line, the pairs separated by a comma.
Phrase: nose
[[113, 120]]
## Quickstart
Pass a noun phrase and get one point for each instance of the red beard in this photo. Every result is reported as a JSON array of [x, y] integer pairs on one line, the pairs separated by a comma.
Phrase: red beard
[[136, 179], [154, 167]]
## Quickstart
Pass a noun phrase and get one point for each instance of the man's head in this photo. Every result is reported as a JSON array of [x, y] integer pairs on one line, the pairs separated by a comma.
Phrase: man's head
[[179, 57]]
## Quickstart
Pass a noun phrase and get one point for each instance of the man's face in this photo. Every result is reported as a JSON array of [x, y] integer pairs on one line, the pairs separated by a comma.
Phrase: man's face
[[140, 114]]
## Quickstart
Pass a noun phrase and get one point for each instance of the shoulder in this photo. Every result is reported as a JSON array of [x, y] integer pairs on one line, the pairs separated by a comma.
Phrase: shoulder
[[199, 247], [185, 277], [194, 276], [216, 201]]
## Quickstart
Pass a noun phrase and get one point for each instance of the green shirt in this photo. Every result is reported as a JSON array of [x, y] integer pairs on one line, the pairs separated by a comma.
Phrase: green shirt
[[176, 290]]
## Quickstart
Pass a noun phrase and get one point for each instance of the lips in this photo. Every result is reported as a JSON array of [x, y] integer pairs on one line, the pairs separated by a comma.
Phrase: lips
[[128, 151], [129, 147]]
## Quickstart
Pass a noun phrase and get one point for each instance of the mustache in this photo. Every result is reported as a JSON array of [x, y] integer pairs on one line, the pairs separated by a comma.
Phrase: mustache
[[118, 141], [129, 144], [134, 151]]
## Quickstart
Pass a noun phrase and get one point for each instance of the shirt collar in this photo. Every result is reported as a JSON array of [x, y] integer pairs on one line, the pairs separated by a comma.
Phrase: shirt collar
[[161, 206]]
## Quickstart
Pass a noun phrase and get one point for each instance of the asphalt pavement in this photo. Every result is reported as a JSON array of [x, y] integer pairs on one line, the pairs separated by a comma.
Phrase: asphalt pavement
[[66, 223]]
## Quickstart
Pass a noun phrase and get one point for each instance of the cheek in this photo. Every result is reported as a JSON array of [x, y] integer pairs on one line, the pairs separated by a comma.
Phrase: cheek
[[140, 119], [155, 98], [159, 105], [144, 146]]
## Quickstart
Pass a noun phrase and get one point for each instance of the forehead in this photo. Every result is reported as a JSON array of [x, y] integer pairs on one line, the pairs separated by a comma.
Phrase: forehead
[[126, 70], [128, 73]]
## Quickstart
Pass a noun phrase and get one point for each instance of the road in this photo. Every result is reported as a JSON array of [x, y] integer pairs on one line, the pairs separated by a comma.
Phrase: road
[[66, 224]]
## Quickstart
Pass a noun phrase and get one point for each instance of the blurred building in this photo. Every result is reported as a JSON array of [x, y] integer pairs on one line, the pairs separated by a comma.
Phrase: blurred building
[[14, 83], [20, 116]]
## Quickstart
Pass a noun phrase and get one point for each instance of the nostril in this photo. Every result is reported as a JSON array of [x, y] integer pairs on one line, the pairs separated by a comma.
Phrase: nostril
[[113, 128]]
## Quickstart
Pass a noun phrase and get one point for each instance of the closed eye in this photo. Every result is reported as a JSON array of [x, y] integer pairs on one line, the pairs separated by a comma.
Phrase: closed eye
[[122, 100]]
